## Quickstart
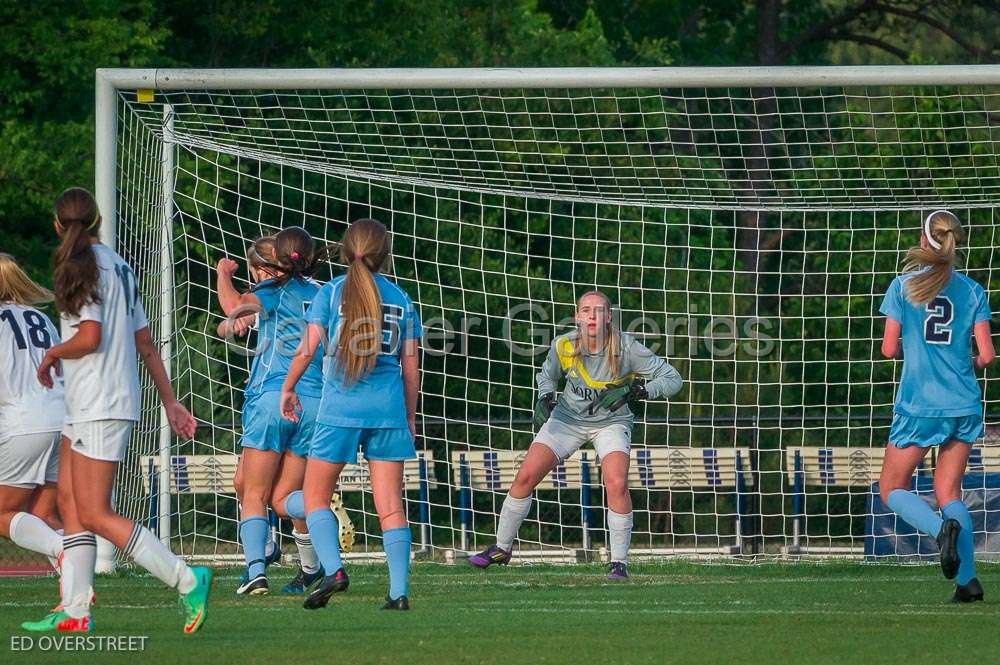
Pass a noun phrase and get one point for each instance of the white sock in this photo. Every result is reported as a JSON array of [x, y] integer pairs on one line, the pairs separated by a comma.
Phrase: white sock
[[511, 515], [54, 560], [79, 559], [32, 533], [146, 550], [307, 553], [620, 527]]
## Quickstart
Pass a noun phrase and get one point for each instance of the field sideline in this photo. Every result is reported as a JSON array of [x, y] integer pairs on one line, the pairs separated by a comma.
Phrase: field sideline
[[833, 613]]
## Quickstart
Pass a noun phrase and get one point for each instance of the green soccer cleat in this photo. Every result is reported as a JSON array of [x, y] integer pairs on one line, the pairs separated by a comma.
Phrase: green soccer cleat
[[60, 622], [46, 625], [195, 603]]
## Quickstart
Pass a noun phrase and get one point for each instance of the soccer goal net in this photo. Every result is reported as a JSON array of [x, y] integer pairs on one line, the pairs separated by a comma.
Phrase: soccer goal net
[[745, 222]]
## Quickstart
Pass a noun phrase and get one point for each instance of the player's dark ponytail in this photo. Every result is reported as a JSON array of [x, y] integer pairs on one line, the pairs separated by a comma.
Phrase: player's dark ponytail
[[76, 275], [295, 255]]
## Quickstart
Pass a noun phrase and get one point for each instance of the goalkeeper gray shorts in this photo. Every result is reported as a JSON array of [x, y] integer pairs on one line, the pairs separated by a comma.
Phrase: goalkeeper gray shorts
[[564, 439]]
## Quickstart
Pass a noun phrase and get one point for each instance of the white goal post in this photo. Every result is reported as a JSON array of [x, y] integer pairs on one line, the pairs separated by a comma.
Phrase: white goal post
[[746, 219]]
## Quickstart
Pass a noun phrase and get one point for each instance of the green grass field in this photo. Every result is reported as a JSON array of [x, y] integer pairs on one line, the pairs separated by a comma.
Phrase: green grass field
[[833, 613]]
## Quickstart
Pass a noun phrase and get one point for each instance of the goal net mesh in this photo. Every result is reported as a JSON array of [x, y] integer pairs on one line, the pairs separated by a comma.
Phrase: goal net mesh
[[746, 234]]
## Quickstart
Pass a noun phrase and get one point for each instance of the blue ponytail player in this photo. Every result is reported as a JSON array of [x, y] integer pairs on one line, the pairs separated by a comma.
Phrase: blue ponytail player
[[936, 310], [369, 401]]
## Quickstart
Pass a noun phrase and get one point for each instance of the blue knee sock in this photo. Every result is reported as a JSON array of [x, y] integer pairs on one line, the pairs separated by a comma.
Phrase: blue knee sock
[[325, 533], [254, 532], [397, 553], [295, 506], [956, 510], [915, 511]]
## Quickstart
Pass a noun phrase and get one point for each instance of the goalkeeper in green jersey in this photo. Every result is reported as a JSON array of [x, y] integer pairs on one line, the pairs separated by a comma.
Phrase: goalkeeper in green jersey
[[604, 369]]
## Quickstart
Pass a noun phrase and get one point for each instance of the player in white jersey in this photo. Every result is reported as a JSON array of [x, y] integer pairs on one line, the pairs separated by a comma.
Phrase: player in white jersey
[[30, 416], [105, 329]]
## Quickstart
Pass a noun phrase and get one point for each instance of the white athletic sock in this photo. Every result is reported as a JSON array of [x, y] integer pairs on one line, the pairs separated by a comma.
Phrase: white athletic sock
[[32, 533], [54, 560], [79, 559], [511, 515], [620, 527], [307, 553], [146, 550]]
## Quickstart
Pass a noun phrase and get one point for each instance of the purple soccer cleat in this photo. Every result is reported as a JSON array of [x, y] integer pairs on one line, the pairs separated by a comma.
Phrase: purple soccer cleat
[[491, 555], [618, 571]]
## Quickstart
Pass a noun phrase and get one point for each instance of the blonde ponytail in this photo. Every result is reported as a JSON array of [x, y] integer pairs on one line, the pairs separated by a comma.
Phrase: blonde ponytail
[[16, 287], [944, 233], [365, 249]]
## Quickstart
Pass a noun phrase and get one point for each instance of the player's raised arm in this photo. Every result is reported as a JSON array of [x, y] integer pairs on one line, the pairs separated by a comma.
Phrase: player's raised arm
[[241, 309]]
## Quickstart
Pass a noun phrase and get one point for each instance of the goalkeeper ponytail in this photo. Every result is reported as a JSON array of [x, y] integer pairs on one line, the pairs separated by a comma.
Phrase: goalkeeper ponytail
[[364, 250]]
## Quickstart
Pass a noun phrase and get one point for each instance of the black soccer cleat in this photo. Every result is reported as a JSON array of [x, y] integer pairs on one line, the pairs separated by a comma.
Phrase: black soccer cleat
[[401, 603], [302, 581], [968, 593], [255, 587], [330, 585], [948, 544]]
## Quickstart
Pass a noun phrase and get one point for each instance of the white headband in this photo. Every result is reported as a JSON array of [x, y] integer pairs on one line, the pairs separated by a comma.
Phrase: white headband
[[927, 230]]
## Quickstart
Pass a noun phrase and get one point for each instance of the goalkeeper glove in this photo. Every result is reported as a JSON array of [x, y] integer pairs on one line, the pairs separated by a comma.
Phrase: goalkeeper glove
[[543, 408], [617, 395]]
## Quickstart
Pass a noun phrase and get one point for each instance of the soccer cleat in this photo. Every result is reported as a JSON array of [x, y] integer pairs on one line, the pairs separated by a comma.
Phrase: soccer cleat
[[302, 581], [345, 527], [401, 603], [275, 555], [47, 624], [491, 555], [72, 625], [968, 593], [947, 541], [618, 570], [330, 585], [255, 587], [195, 602]]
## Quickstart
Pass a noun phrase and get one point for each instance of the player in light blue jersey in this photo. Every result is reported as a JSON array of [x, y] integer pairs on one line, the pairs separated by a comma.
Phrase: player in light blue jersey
[[936, 310], [369, 402], [272, 463]]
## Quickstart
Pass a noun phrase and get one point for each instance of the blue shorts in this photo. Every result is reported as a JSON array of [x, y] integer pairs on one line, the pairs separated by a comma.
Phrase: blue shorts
[[933, 431], [265, 429], [339, 445]]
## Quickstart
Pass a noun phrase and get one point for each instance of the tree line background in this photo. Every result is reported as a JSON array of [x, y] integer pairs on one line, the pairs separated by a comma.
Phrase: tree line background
[[46, 144], [51, 49]]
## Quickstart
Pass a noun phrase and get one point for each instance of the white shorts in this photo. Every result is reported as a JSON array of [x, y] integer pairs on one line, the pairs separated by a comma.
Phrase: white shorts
[[105, 440], [564, 439], [29, 460]]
